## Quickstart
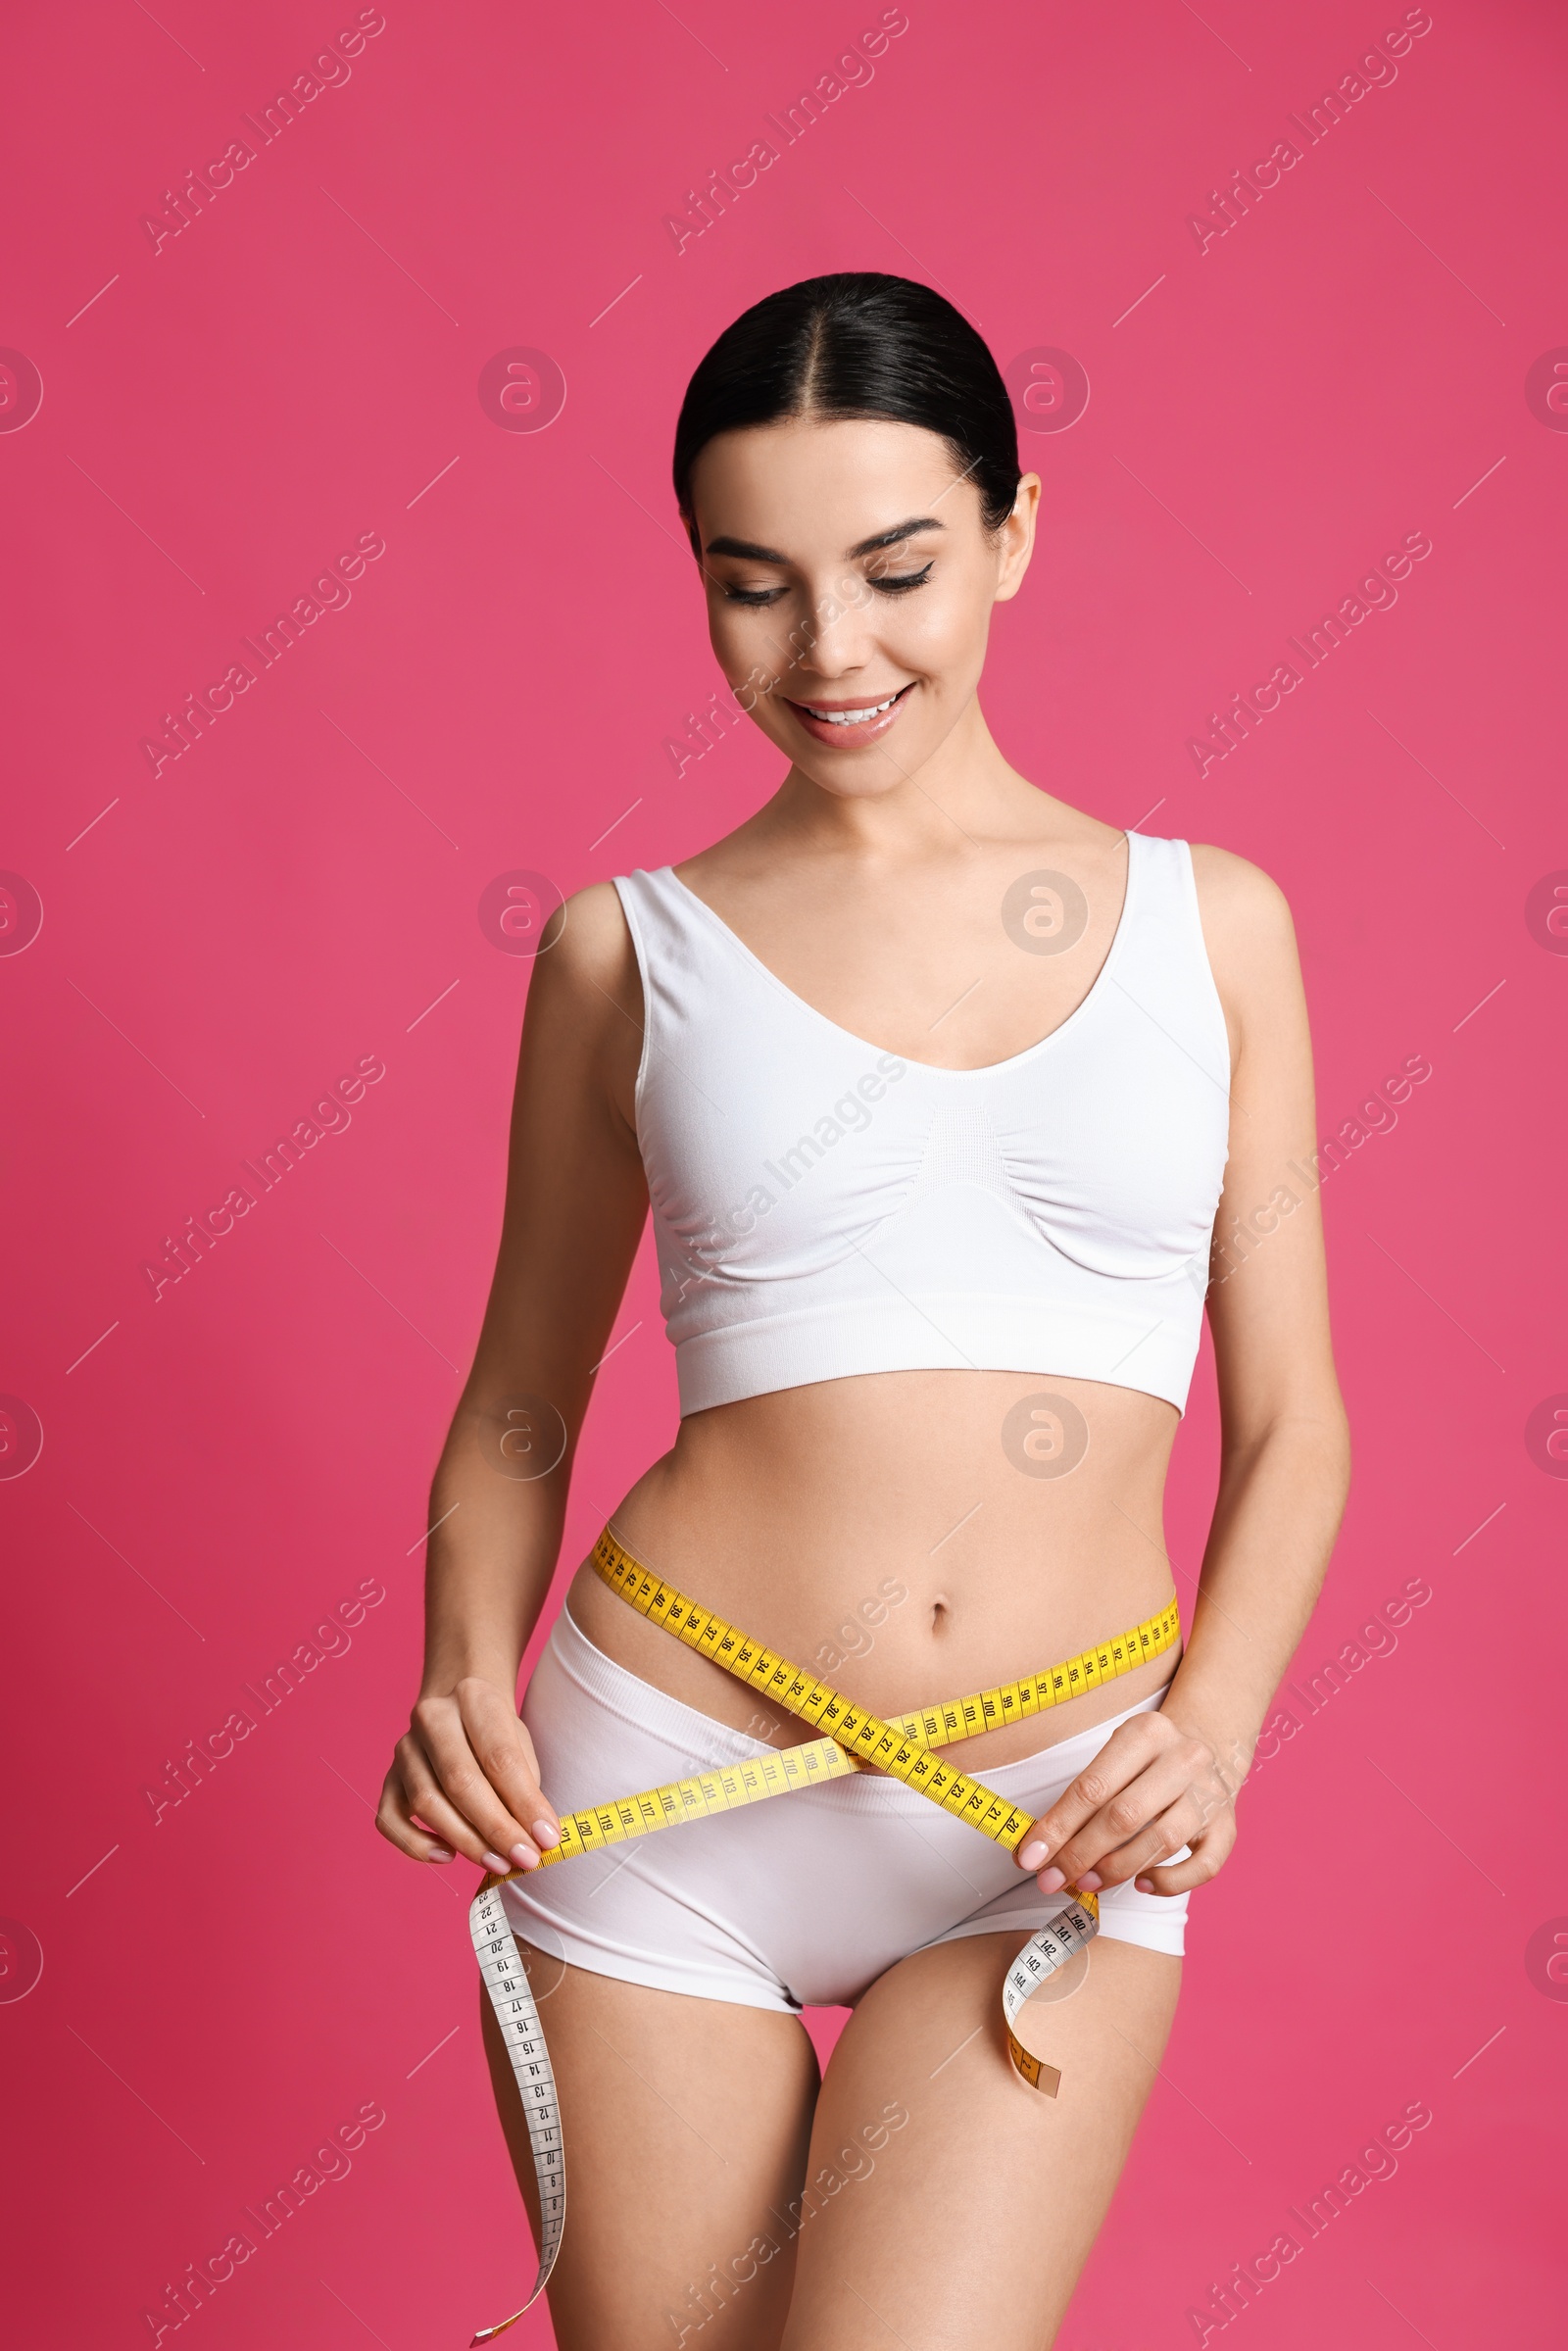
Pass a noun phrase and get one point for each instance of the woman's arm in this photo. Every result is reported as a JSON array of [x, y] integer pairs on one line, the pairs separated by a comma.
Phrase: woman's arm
[[576, 1205], [1170, 1778]]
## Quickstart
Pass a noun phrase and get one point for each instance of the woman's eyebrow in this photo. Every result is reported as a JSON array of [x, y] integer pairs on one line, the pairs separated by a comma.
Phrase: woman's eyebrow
[[750, 552], [748, 549], [890, 538]]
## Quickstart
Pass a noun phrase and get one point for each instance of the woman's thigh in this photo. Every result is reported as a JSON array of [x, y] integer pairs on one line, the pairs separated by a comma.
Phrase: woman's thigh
[[966, 2223], [686, 2126]]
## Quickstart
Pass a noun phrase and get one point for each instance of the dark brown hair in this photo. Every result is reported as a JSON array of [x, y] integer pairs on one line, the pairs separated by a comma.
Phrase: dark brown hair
[[857, 344]]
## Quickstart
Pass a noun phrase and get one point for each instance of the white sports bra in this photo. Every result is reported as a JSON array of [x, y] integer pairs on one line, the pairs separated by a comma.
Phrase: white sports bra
[[822, 1208]]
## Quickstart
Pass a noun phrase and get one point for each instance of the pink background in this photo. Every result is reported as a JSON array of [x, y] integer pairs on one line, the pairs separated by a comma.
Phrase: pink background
[[1269, 415]]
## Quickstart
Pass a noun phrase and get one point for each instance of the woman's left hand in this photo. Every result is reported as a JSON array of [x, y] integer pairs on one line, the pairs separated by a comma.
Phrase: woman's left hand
[[1152, 1789]]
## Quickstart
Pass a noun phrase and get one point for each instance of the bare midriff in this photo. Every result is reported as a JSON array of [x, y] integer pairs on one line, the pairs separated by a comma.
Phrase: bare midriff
[[800, 1516]]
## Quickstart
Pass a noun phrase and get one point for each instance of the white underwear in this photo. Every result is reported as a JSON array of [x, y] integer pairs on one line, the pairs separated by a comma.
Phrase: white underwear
[[802, 1901]]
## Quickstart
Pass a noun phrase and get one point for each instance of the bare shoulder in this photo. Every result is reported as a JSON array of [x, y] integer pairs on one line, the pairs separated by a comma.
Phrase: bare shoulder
[[586, 956], [1237, 894], [1245, 917], [1251, 941]]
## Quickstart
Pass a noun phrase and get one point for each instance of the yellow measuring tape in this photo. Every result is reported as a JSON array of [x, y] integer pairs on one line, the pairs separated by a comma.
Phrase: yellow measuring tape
[[854, 1742]]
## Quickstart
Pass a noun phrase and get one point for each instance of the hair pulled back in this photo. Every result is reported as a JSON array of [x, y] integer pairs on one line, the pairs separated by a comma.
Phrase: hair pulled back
[[857, 344]]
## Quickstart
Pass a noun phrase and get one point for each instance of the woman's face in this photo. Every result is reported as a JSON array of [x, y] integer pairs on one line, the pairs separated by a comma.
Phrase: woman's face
[[850, 583]]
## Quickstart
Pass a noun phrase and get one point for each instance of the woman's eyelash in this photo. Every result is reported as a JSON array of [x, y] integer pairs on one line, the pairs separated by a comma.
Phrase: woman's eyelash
[[901, 583], [898, 585]]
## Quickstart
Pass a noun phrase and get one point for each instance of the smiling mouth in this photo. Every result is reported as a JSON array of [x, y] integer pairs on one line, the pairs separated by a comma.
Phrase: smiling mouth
[[830, 715]]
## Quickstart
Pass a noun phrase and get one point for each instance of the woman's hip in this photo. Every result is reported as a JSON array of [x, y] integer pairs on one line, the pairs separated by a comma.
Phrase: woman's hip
[[804, 1898]]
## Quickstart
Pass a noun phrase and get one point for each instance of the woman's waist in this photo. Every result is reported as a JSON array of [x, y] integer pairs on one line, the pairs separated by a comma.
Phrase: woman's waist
[[575, 1674], [888, 1626]]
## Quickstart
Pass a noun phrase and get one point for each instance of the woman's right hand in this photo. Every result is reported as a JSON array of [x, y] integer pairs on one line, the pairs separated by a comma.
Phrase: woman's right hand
[[464, 1778]]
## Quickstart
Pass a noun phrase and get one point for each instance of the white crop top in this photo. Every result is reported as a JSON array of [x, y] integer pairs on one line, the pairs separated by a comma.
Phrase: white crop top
[[823, 1208]]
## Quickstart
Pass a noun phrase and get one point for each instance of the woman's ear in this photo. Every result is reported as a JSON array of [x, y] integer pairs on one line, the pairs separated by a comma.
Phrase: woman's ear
[[1016, 539]]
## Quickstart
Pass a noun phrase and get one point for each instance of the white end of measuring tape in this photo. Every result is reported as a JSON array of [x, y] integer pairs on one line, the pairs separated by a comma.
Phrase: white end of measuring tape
[[512, 1998], [1070, 1932]]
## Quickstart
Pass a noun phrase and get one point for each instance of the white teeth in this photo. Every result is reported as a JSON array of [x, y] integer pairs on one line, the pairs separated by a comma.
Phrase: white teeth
[[853, 717]]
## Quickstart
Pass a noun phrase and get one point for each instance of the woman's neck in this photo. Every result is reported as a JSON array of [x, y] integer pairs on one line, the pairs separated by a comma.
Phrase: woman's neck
[[965, 791]]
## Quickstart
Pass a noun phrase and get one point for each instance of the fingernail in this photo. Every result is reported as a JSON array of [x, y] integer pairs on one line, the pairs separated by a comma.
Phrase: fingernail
[[545, 1833], [1145, 1885], [526, 1857], [1052, 1882], [1033, 1855], [493, 1861], [1089, 1881], [442, 1853]]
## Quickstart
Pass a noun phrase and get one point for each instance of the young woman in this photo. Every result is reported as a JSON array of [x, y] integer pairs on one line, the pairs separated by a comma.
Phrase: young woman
[[935, 1083]]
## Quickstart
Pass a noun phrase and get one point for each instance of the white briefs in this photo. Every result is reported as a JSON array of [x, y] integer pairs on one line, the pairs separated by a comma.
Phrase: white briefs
[[801, 1901]]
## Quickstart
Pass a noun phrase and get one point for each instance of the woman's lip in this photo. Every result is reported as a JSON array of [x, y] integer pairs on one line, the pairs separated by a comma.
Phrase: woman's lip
[[850, 738], [856, 702]]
